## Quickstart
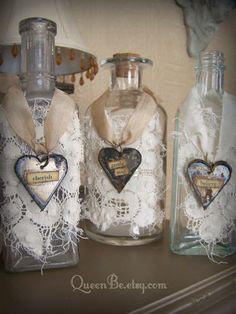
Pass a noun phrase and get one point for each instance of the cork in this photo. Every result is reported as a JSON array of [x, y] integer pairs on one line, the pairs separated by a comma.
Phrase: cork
[[121, 55], [122, 70]]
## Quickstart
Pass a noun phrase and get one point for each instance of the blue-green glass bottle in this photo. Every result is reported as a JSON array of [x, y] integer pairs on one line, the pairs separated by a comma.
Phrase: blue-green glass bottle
[[195, 230]]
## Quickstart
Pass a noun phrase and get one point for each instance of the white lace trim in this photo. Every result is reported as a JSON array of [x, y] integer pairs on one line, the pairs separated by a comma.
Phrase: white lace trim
[[135, 205], [24, 226], [217, 223]]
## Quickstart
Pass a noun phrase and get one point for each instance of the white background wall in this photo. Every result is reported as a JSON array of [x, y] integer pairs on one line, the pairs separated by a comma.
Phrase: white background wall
[[155, 29]]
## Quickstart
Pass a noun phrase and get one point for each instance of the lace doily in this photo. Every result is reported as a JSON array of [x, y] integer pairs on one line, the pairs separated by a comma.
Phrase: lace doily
[[135, 205], [202, 133], [24, 226]]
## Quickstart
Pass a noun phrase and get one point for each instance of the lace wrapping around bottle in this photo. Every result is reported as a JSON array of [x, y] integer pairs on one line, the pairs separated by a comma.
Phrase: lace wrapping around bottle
[[202, 133], [47, 233], [135, 205]]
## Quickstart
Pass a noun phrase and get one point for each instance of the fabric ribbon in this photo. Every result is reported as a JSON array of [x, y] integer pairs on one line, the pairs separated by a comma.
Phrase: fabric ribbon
[[140, 118], [19, 116], [216, 146]]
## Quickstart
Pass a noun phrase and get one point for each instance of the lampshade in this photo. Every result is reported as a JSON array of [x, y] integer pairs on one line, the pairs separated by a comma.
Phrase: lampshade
[[72, 56]]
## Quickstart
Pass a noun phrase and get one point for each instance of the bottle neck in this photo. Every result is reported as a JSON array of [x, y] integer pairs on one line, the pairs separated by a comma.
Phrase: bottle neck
[[210, 75], [37, 72], [126, 76]]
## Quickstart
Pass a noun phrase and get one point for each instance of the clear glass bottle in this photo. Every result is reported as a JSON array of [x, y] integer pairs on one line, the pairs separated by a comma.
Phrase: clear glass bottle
[[37, 239], [195, 230], [135, 215]]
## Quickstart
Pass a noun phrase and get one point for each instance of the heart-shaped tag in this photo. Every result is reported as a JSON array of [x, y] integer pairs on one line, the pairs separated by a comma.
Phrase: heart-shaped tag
[[208, 179], [41, 176], [119, 166]]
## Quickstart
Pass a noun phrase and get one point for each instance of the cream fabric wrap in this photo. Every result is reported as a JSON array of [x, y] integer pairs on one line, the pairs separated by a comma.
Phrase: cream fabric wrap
[[192, 115], [136, 124], [20, 118]]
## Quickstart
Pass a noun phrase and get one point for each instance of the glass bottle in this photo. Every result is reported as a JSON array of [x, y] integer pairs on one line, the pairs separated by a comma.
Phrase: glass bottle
[[200, 124], [37, 239], [134, 215]]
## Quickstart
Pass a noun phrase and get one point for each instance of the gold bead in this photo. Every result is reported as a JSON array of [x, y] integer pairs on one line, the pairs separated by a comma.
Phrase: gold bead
[[88, 74], [73, 78], [91, 61], [81, 80], [95, 68], [14, 51], [91, 74]]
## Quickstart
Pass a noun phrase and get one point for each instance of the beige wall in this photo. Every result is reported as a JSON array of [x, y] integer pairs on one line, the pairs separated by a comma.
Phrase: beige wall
[[155, 29]]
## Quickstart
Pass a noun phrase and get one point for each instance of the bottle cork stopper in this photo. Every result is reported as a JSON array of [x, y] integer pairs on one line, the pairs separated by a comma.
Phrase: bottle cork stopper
[[126, 55]]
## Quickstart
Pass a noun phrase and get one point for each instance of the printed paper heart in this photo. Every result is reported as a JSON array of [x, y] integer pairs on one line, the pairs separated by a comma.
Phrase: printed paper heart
[[119, 166], [208, 179], [41, 177]]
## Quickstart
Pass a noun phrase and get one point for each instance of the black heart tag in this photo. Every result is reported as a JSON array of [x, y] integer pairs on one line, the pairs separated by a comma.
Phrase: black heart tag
[[41, 176], [119, 166], [208, 179]]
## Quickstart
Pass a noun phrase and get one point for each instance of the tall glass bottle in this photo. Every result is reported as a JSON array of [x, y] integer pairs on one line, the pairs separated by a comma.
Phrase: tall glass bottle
[[202, 219], [133, 215], [39, 238]]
